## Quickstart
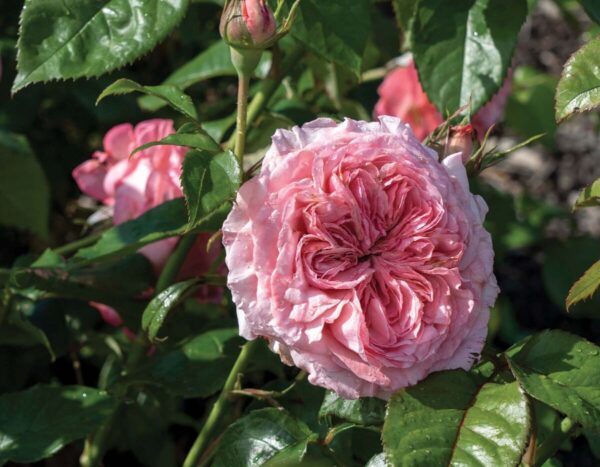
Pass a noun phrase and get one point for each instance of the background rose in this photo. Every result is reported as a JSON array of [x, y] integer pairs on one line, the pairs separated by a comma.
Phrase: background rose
[[401, 95], [360, 257], [134, 184]]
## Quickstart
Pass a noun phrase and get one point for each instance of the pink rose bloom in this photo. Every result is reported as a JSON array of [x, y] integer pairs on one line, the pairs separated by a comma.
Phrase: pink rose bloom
[[133, 185], [360, 257], [401, 95]]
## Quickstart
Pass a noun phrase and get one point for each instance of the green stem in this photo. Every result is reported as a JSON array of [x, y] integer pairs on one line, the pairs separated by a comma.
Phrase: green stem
[[175, 261], [203, 438], [77, 244], [269, 86], [242, 112], [96, 446], [553, 443]]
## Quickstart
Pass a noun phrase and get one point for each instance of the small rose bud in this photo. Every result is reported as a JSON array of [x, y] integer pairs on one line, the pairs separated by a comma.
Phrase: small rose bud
[[460, 139], [248, 24]]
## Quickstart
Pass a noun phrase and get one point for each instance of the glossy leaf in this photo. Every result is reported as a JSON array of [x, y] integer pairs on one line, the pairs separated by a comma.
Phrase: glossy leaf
[[453, 418], [378, 461], [164, 221], [589, 197], [189, 135], [209, 183], [585, 287], [260, 437], [171, 95], [318, 26], [116, 283], [579, 86], [62, 39], [363, 411], [563, 371], [167, 220], [198, 368], [212, 62], [24, 190], [37, 422], [159, 307], [463, 49]]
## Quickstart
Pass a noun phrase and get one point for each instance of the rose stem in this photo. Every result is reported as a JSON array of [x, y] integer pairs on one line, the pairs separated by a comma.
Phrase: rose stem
[[215, 413], [269, 86], [95, 447], [549, 447], [242, 112]]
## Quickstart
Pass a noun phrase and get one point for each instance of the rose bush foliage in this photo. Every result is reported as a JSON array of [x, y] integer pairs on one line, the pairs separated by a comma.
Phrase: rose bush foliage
[[315, 222]]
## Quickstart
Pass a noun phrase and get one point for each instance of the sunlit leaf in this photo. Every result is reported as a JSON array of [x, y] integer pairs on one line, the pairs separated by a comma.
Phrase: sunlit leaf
[[563, 371], [62, 39], [463, 49], [579, 86], [452, 418]]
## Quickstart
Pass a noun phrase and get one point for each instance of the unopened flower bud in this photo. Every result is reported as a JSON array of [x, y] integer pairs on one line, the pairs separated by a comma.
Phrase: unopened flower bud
[[460, 139], [248, 24]]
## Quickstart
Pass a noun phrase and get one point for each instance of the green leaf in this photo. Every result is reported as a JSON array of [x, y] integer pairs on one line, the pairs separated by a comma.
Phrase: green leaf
[[452, 418], [108, 283], [563, 371], [62, 39], [262, 436], [378, 461], [189, 135], [24, 191], [590, 196], [463, 49], [171, 95], [213, 62], [166, 220], [320, 27], [157, 310], [198, 369], [592, 7], [585, 287], [363, 411], [579, 86], [37, 422], [209, 182]]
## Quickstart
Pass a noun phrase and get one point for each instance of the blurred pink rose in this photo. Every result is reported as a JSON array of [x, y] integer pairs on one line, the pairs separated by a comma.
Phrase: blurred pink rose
[[361, 258], [133, 185], [402, 96]]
